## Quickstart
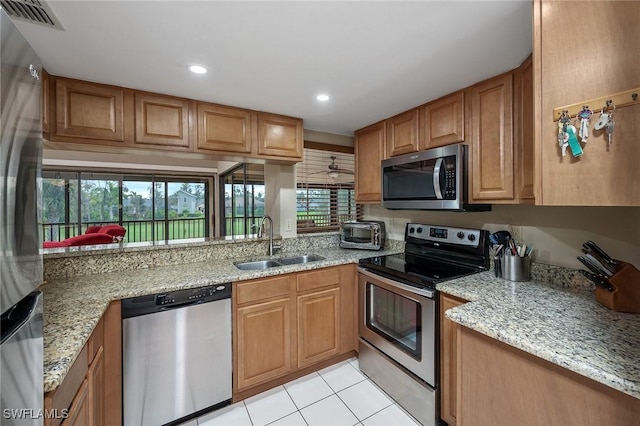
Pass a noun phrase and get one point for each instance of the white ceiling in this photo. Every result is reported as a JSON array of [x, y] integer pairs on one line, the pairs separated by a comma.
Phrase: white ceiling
[[375, 59]]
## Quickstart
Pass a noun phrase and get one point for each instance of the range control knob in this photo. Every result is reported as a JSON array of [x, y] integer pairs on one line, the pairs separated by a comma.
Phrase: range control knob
[[419, 230], [471, 237], [460, 234], [411, 230]]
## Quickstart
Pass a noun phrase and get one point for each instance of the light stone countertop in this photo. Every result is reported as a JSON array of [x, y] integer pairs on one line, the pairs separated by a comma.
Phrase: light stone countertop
[[560, 324], [73, 306], [563, 325]]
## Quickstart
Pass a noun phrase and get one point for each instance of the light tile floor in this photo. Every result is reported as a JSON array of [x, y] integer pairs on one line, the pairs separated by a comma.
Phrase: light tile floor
[[339, 395]]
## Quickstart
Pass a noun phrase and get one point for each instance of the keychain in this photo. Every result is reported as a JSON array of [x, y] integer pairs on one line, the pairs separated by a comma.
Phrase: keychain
[[583, 117], [563, 136]]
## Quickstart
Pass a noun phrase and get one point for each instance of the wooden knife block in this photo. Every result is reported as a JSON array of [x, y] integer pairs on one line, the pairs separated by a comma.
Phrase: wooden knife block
[[626, 294]]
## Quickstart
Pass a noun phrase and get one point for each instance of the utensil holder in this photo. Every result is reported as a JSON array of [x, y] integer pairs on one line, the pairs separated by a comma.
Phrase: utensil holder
[[625, 296], [516, 268]]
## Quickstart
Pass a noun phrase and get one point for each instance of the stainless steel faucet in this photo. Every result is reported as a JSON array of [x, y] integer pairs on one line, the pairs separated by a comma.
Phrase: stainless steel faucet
[[272, 248]]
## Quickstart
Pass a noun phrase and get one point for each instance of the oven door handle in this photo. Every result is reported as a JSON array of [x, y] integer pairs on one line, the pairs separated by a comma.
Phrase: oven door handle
[[411, 289]]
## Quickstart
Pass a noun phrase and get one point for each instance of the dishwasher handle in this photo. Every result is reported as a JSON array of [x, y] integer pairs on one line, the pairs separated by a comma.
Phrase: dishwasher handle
[[153, 303]]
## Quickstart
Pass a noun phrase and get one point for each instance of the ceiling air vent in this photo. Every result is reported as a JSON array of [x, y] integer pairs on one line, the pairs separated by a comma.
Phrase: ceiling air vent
[[34, 11]]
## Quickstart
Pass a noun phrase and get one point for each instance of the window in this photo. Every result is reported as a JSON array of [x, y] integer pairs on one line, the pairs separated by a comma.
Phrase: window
[[325, 196], [243, 206], [73, 201]]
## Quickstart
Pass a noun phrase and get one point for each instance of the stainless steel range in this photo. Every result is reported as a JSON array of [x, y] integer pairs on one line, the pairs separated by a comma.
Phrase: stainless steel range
[[399, 311]]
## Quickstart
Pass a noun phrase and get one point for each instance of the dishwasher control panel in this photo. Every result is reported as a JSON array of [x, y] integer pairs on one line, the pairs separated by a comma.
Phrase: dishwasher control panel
[[174, 299]]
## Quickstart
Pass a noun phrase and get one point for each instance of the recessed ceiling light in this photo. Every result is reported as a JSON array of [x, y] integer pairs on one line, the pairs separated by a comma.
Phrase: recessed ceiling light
[[197, 69], [322, 98]]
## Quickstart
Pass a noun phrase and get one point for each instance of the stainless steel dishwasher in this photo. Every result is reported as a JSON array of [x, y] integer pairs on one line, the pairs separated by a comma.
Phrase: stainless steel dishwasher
[[176, 355]]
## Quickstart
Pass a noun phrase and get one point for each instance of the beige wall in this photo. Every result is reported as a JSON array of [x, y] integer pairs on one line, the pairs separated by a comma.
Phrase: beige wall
[[556, 232]]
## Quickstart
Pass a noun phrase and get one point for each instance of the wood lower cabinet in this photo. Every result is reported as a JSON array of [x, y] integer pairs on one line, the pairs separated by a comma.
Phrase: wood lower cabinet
[[442, 121], [491, 148], [279, 136], [161, 120], [263, 341], [79, 413], [91, 392], [501, 385], [221, 128], [369, 149], [88, 112], [448, 361], [402, 133], [288, 324]]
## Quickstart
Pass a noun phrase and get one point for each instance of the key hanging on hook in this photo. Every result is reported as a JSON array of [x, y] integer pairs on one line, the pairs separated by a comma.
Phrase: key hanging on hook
[[583, 118], [563, 136]]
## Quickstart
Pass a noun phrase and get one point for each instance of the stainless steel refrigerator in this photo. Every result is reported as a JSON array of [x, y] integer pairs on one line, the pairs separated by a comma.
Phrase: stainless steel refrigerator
[[21, 356]]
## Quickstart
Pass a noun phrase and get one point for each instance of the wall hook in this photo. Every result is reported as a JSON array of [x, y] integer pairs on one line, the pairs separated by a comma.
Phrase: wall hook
[[634, 96]]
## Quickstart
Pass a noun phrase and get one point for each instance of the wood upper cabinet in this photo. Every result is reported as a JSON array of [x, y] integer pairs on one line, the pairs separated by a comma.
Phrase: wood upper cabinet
[[161, 120], [604, 175], [369, 148], [221, 128], [46, 100], [88, 111], [442, 121], [402, 133], [448, 360], [279, 136], [524, 146], [491, 148]]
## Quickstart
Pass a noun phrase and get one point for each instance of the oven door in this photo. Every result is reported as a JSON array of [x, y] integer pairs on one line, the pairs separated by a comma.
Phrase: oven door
[[400, 321]]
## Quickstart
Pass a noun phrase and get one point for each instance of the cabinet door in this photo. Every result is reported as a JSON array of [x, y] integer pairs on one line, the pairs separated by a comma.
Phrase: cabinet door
[[161, 120], [369, 149], [89, 111], [402, 133], [95, 377], [442, 122], [279, 136], [223, 128], [79, 413], [524, 152], [318, 326], [263, 341], [448, 361], [492, 140]]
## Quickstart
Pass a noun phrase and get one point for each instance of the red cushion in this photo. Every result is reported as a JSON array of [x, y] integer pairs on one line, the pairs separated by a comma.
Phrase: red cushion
[[90, 239], [113, 230], [52, 244], [92, 229]]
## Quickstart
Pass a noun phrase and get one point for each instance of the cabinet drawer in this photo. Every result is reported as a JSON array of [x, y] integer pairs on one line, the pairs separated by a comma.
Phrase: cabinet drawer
[[264, 288], [320, 278]]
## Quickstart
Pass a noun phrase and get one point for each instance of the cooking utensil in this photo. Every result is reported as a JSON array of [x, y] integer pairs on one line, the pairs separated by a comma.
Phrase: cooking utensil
[[593, 246], [596, 280], [500, 237], [593, 267]]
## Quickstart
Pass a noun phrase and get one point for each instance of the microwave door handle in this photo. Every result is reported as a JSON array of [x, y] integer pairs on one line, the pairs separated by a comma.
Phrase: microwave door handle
[[436, 178]]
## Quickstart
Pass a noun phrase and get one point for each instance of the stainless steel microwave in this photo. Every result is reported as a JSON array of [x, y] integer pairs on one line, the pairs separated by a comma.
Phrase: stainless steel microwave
[[434, 179]]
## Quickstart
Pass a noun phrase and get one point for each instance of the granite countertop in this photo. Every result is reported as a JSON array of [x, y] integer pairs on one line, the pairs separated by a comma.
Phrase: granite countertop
[[560, 324], [73, 306]]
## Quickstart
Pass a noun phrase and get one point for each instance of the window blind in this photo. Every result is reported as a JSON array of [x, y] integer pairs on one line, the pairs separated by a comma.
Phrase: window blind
[[325, 196]]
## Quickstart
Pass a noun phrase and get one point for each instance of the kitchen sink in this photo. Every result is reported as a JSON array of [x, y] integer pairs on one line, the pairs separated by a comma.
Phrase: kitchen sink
[[300, 259], [259, 265]]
